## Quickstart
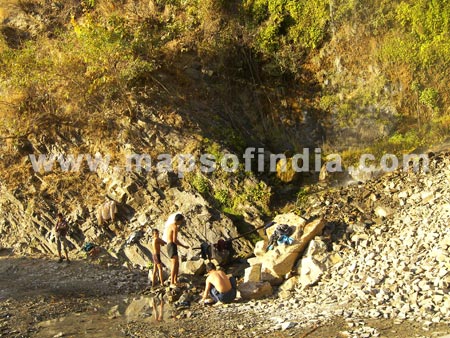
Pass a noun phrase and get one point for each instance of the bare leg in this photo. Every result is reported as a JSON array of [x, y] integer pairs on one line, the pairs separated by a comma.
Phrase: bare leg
[[161, 311], [58, 246], [154, 276], [67, 254], [160, 274], [65, 248], [177, 264], [155, 310], [174, 269]]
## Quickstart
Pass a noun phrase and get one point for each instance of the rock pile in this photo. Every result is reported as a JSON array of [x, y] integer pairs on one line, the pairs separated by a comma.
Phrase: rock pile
[[371, 264], [270, 267], [397, 265]]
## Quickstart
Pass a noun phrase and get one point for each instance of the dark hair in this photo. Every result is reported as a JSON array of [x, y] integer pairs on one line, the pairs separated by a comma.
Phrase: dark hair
[[60, 214], [210, 266], [155, 231], [179, 217]]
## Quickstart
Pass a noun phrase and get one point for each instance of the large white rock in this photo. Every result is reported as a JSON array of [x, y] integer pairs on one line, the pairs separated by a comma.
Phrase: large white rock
[[290, 284], [260, 248], [255, 290], [290, 219], [310, 271], [254, 260], [316, 248], [280, 260], [382, 211], [253, 273]]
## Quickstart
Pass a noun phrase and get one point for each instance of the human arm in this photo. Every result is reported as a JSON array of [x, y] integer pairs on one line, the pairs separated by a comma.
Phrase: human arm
[[207, 289], [182, 245], [176, 241], [161, 242]]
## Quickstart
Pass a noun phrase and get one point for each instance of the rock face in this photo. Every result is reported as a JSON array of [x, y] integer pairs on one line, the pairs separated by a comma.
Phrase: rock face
[[391, 267], [310, 271], [253, 273], [30, 227]]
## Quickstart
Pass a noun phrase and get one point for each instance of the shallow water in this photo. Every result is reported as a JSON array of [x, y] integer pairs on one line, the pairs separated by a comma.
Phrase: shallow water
[[106, 319]]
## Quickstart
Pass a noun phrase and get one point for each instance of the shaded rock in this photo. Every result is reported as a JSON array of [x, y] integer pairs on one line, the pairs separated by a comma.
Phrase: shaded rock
[[139, 307], [255, 290], [273, 280], [138, 255], [192, 267]]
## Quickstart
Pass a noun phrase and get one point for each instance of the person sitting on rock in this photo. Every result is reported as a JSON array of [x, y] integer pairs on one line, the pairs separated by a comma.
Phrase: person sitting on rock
[[219, 287], [61, 229]]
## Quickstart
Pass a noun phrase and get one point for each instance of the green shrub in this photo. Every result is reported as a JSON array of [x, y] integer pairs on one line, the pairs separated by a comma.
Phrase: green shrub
[[223, 198], [200, 183], [302, 197], [286, 28], [407, 141], [429, 97], [85, 70]]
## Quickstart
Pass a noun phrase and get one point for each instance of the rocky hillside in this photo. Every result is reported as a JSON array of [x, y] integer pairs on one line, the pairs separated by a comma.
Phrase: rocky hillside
[[380, 268], [176, 77], [393, 259]]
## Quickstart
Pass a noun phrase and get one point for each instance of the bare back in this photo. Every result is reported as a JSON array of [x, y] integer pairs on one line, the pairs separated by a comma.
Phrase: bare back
[[172, 233], [219, 280]]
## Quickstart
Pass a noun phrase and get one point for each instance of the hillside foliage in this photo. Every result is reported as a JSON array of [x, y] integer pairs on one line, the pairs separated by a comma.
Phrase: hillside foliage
[[353, 65]]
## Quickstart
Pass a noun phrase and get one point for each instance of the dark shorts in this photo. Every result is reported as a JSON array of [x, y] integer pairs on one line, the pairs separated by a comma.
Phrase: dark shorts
[[172, 250], [225, 297], [156, 258], [61, 241]]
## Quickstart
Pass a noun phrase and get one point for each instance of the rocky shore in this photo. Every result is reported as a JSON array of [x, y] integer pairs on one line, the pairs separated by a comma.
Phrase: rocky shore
[[380, 268]]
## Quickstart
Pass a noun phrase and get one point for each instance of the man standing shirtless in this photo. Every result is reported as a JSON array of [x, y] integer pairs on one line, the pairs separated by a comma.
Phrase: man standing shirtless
[[156, 254], [172, 247]]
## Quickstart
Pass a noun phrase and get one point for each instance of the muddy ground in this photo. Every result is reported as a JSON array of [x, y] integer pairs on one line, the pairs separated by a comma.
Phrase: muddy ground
[[40, 297]]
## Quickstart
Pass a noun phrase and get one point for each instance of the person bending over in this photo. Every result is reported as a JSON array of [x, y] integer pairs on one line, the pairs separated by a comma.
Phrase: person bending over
[[219, 286]]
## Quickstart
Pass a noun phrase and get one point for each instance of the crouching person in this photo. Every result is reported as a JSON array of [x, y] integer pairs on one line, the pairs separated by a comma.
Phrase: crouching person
[[219, 287]]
